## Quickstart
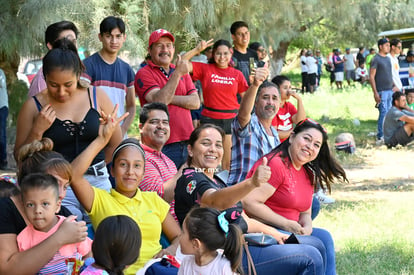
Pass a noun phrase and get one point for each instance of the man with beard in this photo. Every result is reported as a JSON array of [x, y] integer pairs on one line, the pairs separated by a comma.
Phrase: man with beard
[[253, 135], [161, 81]]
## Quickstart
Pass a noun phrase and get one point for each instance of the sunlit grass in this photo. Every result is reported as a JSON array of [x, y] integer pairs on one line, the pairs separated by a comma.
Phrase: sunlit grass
[[373, 234], [371, 221]]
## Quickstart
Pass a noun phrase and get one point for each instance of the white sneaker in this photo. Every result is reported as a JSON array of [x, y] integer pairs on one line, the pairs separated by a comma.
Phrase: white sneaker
[[323, 198], [379, 141]]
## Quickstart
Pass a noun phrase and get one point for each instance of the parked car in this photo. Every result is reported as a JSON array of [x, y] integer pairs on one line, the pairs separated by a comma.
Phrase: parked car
[[31, 68]]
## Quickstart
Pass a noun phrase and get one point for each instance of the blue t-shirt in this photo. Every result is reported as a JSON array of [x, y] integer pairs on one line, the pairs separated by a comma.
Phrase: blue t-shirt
[[114, 79]]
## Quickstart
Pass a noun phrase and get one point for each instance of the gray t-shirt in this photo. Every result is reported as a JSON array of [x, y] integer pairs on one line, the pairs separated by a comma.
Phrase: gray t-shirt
[[383, 76], [349, 63], [392, 122]]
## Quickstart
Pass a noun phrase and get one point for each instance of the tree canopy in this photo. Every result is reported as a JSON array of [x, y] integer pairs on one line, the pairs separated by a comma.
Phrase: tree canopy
[[282, 24]]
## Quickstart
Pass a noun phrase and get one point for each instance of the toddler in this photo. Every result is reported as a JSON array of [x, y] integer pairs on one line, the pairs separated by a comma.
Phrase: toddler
[[205, 230], [40, 197]]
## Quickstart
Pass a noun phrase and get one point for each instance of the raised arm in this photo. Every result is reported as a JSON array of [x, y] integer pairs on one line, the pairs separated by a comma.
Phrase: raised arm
[[81, 187], [195, 51], [247, 103], [229, 196]]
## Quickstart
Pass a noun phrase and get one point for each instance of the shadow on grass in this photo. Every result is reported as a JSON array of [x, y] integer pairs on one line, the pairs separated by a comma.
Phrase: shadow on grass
[[372, 258], [393, 184]]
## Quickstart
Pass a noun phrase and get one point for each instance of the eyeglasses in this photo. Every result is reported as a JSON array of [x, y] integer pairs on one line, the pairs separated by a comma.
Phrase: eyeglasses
[[262, 50], [313, 122], [222, 54]]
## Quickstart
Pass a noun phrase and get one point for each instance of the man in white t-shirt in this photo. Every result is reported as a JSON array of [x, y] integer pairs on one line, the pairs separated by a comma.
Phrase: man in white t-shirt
[[312, 65], [393, 55]]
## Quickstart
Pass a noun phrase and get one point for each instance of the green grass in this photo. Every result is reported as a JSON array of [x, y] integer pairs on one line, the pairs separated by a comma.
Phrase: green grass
[[372, 236], [371, 221]]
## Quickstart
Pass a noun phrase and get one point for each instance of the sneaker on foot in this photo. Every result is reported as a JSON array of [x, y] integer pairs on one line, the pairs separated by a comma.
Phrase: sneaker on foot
[[379, 141], [323, 198]]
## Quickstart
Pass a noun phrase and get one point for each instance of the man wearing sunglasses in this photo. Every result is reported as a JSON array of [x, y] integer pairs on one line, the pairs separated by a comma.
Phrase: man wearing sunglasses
[[380, 78]]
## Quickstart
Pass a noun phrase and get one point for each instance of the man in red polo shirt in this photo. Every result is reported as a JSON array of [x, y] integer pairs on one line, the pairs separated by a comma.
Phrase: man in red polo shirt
[[161, 81]]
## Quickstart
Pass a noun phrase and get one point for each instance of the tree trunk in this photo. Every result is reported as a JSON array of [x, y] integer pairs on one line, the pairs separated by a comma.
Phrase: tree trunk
[[10, 66], [278, 58]]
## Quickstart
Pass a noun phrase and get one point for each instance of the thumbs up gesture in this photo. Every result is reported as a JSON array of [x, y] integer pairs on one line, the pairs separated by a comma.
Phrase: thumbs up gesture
[[262, 174]]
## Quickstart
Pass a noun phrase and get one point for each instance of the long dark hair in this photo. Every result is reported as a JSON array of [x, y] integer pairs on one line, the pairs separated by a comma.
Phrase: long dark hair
[[63, 56], [218, 43], [324, 168], [196, 134], [116, 244], [203, 224]]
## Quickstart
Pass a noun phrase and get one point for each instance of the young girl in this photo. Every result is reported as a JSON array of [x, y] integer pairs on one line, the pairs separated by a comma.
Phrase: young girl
[[40, 196], [116, 245], [204, 231]]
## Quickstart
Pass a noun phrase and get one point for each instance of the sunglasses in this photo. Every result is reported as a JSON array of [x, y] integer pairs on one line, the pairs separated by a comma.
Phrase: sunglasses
[[313, 122]]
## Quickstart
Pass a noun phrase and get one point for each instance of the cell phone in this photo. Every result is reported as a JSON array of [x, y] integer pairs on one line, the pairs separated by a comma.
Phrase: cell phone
[[292, 239], [252, 64], [376, 105]]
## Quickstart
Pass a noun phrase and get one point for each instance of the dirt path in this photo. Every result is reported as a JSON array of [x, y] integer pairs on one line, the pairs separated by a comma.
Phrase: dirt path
[[381, 170]]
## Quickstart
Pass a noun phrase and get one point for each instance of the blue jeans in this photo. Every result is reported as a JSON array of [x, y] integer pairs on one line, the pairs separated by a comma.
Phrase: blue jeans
[[314, 242], [177, 152], [285, 259], [4, 112], [383, 108], [328, 242], [316, 207]]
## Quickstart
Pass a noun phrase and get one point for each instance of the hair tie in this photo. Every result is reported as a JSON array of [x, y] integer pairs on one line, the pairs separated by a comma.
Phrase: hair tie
[[224, 224], [128, 144], [8, 179]]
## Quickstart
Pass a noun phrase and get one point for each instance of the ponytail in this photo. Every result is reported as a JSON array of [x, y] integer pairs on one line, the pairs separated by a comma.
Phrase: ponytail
[[213, 230], [63, 56], [233, 248]]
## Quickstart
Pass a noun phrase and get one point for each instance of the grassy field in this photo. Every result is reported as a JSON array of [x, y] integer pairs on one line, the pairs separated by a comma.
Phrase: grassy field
[[371, 220]]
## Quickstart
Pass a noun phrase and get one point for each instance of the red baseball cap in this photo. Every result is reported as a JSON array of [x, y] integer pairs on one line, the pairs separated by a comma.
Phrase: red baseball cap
[[156, 35]]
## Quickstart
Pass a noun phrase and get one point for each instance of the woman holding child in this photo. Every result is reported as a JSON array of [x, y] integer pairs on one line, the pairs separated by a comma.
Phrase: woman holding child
[[36, 157]]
